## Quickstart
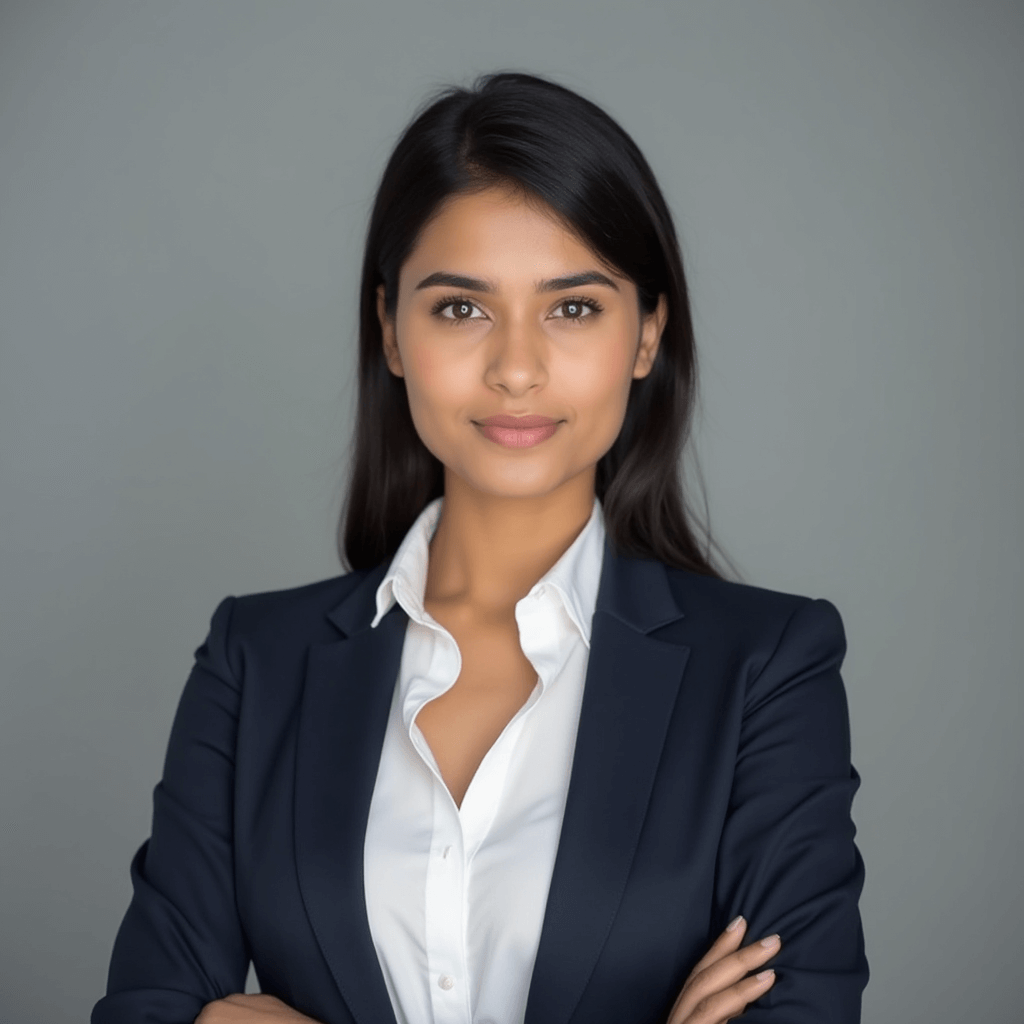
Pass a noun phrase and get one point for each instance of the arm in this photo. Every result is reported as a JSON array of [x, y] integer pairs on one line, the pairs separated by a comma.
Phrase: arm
[[787, 858], [180, 945]]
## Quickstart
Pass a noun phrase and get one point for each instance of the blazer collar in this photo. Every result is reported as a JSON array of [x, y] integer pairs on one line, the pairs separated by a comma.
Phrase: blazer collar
[[633, 590], [629, 693], [574, 578]]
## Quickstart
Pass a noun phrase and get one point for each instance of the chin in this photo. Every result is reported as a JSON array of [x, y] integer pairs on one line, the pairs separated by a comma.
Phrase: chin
[[509, 485]]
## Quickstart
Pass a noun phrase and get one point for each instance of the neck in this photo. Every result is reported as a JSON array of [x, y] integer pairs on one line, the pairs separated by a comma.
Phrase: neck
[[488, 551]]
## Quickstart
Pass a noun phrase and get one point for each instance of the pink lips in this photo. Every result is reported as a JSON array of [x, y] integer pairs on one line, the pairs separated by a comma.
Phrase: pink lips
[[518, 431]]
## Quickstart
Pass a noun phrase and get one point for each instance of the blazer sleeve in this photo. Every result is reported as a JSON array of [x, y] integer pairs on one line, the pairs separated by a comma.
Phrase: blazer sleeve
[[787, 859], [181, 944]]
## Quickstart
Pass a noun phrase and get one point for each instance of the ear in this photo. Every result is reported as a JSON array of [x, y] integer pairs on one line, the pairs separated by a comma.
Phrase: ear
[[387, 330], [651, 330]]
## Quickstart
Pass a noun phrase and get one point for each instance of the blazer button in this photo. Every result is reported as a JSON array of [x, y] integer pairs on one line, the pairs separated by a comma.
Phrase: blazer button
[[446, 982]]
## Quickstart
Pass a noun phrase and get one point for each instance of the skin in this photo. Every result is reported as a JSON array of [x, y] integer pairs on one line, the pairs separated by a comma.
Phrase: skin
[[504, 346], [508, 514]]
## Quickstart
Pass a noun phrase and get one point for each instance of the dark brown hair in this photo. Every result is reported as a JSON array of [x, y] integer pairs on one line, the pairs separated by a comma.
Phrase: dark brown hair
[[552, 145]]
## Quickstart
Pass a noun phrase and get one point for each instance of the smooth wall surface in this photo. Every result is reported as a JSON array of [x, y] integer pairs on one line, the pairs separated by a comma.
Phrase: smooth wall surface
[[183, 193]]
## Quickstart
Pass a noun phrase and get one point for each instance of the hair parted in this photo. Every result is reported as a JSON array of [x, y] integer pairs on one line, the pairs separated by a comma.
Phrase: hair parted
[[521, 131]]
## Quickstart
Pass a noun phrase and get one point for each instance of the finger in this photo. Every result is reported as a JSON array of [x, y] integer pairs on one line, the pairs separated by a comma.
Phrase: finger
[[728, 941], [724, 1005], [734, 964], [726, 971]]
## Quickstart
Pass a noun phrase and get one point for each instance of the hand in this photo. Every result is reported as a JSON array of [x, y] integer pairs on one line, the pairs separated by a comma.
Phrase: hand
[[254, 1009], [716, 990]]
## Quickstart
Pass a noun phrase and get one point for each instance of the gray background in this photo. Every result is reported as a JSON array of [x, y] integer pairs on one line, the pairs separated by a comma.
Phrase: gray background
[[183, 193]]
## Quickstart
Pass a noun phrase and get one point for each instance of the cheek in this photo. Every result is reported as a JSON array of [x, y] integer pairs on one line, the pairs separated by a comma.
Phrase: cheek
[[436, 382], [599, 386]]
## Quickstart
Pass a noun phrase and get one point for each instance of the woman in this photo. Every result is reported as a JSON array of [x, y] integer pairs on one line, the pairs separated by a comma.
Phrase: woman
[[532, 753]]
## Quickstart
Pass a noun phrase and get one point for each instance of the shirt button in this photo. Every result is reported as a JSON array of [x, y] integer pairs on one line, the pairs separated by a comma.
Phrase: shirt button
[[446, 982]]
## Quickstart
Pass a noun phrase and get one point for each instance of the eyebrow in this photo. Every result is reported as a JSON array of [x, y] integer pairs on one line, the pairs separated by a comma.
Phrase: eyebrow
[[551, 284]]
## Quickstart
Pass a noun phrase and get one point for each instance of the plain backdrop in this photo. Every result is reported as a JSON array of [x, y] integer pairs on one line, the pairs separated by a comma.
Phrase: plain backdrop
[[184, 189]]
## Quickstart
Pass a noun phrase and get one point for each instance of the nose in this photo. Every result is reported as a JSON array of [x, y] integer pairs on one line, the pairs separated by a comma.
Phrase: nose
[[517, 357]]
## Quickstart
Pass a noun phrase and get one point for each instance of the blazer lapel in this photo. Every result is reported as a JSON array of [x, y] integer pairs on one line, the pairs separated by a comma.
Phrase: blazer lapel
[[631, 685], [630, 690], [349, 686]]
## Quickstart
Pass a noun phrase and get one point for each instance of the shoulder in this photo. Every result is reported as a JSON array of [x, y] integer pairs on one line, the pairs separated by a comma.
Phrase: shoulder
[[300, 606], [696, 593], [279, 622], [758, 623]]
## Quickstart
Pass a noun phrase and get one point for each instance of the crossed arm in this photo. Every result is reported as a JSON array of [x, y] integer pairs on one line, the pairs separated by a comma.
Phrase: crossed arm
[[182, 951], [718, 989]]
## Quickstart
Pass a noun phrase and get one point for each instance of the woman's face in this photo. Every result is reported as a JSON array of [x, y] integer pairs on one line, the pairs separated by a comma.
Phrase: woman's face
[[501, 311]]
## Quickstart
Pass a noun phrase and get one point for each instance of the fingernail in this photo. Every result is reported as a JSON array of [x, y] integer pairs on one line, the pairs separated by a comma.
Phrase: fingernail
[[765, 975], [772, 940], [734, 923]]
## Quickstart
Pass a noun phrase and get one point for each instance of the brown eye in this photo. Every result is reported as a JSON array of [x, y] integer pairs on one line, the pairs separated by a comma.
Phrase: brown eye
[[577, 309], [456, 309]]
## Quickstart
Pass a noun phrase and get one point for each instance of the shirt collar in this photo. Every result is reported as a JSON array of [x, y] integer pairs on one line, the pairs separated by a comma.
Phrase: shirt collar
[[574, 578]]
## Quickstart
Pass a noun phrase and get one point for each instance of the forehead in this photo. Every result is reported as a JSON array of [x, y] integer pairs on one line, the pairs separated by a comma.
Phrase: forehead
[[500, 234]]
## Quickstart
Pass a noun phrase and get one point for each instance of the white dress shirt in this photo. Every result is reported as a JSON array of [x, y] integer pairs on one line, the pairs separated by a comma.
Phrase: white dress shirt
[[456, 896]]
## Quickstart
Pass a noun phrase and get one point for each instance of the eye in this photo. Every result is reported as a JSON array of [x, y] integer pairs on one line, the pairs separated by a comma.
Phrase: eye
[[578, 308], [461, 309]]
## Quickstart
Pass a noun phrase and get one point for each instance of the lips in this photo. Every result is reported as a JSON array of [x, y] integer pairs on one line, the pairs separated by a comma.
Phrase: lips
[[518, 422], [517, 431]]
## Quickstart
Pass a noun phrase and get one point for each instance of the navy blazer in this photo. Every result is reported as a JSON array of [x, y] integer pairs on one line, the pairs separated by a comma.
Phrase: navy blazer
[[711, 777]]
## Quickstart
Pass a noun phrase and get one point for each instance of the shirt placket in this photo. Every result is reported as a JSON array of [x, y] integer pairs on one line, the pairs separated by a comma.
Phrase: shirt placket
[[457, 834], [445, 908], [445, 886]]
